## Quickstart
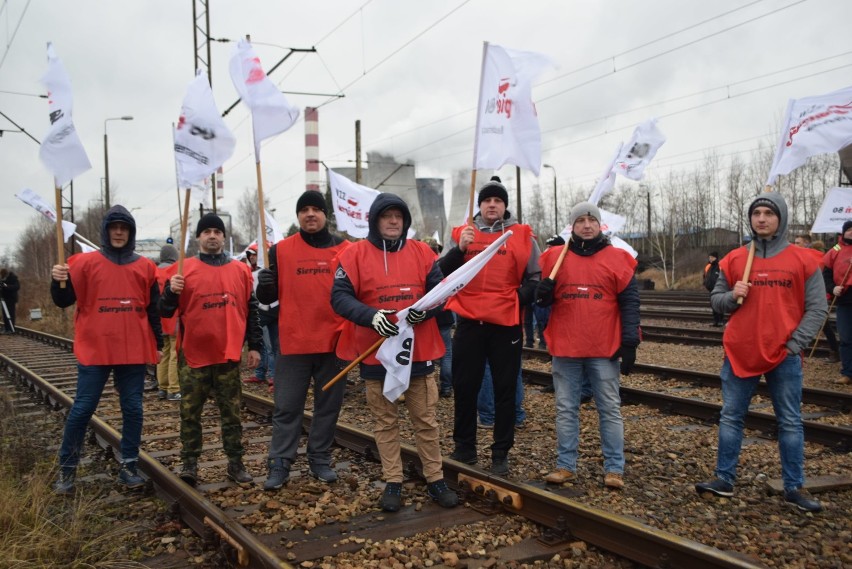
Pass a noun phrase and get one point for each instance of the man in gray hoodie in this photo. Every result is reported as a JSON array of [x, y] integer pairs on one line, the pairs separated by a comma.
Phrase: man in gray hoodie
[[782, 307]]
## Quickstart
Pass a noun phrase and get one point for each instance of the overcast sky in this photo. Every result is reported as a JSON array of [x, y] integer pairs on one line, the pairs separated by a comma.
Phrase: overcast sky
[[719, 76]]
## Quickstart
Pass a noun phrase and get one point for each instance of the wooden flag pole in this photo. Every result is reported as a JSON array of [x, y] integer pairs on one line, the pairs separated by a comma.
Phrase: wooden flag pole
[[833, 300], [752, 248], [183, 222], [357, 361], [261, 246], [472, 196], [60, 243], [561, 258]]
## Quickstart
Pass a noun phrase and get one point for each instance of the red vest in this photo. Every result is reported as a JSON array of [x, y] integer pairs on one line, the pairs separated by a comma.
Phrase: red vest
[[404, 283], [213, 311], [838, 260], [111, 320], [492, 295], [306, 322], [757, 332], [586, 299], [169, 324]]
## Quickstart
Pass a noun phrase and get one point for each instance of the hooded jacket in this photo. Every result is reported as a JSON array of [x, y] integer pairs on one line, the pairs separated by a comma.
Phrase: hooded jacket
[[126, 255], [345, 298], [785, 306]]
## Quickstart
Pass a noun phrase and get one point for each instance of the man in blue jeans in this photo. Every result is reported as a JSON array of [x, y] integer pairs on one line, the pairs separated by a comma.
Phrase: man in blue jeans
[[117, 329], [594, 322], [783, 306], [485, 401]]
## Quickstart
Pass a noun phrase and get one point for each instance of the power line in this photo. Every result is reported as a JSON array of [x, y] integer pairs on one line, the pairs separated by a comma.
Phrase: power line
[[14, 33]]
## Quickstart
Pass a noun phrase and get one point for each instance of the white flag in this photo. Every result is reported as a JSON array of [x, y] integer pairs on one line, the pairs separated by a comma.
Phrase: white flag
[[86, 248], [437, 237], [61, 150], [814, 125], [270, 111], [273, 235], [640, 150], [607, 179], [396, 352], [611, 223], [836, 209], [506, 123], [351, 203], [202, 141], [39, 204]]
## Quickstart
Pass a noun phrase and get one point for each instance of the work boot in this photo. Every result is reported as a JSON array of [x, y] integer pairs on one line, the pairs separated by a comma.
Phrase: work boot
[[833, 357], [441, 493], [559, 476], [64, 485], [500, 465], [279, 474], [803, 500], [842, 380], [189, 472], [129, 477], [614, 480], [391, 497], [465, 456], [237, 472]]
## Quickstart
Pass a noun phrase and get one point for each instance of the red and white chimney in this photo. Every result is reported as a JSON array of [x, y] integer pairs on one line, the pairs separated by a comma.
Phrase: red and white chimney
[[313, 181]]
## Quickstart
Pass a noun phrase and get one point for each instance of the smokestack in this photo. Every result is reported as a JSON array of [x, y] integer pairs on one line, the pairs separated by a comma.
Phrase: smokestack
[[312, 164]]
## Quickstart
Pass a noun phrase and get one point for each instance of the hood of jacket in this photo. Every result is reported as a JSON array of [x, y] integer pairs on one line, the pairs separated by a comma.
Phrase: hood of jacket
[[380, 204], [122, 255], [772, 246], [500, 225]]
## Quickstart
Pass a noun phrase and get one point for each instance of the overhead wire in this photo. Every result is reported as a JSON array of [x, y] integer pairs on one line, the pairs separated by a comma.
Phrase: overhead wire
[[14, 33]]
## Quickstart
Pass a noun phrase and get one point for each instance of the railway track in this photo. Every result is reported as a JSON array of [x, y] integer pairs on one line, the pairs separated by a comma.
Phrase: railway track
[[218, 511]]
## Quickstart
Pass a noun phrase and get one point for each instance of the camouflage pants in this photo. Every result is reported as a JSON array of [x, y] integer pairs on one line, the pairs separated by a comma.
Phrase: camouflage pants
[[196, 385]]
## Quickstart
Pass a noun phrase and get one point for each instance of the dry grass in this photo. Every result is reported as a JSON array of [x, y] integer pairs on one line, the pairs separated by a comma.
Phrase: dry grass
[[692, 281], [37, 528]]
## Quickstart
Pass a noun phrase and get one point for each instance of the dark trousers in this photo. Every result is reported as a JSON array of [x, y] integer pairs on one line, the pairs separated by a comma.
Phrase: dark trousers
[[473, 344], [10, 306]]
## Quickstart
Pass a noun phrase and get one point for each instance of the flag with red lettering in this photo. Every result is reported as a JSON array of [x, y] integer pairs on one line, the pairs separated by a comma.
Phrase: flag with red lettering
[[813, 125], [395, 352], [202, 141], [351, 203], [270, 111], [61, 150], [507, 130], [39, 204]]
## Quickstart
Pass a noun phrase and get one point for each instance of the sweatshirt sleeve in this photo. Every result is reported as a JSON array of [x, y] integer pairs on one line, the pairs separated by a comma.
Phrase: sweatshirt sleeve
[[154, 314], [345, 302], [816, 309], [63, 297]]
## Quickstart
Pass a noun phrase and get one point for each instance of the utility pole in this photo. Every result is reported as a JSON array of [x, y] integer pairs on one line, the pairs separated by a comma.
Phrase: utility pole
[[201, 55], [648, 235], [357, 151]]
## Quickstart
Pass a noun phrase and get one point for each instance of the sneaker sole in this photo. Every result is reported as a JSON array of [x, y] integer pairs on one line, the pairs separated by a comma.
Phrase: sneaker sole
[[191, 480], [133, 486], [718, 493], [801, 509], [326, 480]]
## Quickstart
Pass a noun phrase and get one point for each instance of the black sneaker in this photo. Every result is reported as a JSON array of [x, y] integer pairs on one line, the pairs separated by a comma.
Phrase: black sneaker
[[718, 487], [129, 477], [467, 457], [446, 393], [237, 473], [323, 472], [441, 493], [279, 475], [64, 485], [802, 499], [162, 394], [189, 473], [392, 497], [151, 384], [499, 465]]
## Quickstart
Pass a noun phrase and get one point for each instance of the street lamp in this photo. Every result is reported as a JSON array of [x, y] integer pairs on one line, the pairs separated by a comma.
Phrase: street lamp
[[555, 207], [106, 157]]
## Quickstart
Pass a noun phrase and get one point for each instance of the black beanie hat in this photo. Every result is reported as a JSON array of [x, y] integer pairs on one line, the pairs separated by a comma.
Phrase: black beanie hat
[[210, 221], [714, 254], [765, 202], [846, 225], [311, 197], [493, 189]]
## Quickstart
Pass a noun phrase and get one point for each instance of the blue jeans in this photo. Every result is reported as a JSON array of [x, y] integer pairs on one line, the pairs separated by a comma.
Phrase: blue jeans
[[785, 390], [269, 352], [129, 381], [568, 377], [844, 329], [485, 401], [446, 362]]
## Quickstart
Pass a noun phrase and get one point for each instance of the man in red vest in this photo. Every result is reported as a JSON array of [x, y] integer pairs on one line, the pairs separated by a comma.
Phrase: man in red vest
[[300, 275], [489, 325], [117, 329], [378, 276], [782, 310], [595, 291], [217, 309], [837, 278]]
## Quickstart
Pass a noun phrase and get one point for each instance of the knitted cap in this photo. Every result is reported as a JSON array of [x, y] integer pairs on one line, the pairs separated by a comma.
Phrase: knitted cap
[[210, 221], [584, 208], [493, 189], [311, 198]]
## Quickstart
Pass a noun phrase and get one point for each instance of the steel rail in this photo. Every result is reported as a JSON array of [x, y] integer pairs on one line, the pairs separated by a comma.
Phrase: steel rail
[[837, 438]]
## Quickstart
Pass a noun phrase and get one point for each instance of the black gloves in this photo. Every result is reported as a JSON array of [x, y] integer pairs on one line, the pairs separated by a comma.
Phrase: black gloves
[[382, 325], [628, 358], [265, 277], [544, 292], [415, 316]]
